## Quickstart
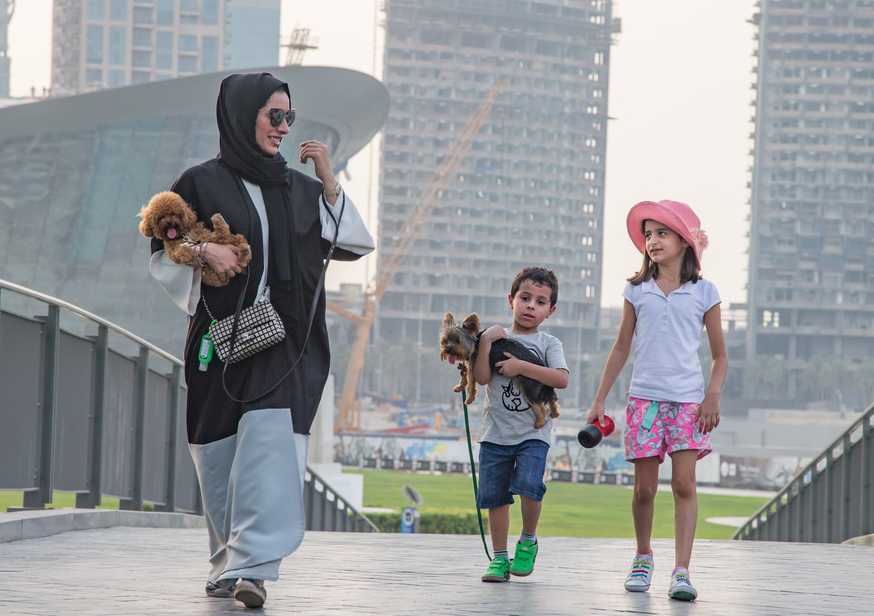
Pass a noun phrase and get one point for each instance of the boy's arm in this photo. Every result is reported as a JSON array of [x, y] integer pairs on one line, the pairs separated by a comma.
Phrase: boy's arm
[[553, 377], [482, 371]]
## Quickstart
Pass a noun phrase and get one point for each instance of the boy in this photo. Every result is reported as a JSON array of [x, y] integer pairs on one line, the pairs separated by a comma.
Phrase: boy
[[512, 455]]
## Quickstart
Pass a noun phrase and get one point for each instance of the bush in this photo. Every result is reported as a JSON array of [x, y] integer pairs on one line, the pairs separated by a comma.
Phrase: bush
[[440, 523]]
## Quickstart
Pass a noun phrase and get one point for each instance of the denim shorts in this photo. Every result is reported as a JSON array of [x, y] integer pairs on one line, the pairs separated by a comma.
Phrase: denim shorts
[[505, 470]]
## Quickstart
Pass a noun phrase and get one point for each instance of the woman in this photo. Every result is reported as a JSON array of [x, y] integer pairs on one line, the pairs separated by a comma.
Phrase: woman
[[251, 456]]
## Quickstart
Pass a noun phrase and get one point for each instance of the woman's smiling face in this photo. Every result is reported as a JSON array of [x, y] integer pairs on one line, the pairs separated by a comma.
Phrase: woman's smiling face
[[267, 136]]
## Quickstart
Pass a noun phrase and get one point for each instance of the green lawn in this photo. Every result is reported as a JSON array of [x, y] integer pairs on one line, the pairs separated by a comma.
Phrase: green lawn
[[569, 510], [60, 500]]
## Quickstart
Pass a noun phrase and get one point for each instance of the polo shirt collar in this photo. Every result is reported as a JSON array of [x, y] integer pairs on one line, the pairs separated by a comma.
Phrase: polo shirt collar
[[652, 287]]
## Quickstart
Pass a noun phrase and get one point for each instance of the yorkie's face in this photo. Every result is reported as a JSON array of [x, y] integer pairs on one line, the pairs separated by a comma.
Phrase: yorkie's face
[[458, 342]]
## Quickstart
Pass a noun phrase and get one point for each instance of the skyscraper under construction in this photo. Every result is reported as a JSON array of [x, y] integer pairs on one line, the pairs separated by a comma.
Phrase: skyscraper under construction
[[811, 270], [530, 190]]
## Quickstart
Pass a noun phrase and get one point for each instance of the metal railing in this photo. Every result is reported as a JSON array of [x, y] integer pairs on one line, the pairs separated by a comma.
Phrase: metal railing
[[830, 500], [78, 414], [327, 510]]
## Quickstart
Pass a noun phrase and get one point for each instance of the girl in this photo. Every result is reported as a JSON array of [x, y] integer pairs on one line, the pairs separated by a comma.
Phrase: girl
[[669, 412]]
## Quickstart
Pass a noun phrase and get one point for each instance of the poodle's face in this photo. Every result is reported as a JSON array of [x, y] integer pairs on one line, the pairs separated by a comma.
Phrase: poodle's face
[[167, 217]]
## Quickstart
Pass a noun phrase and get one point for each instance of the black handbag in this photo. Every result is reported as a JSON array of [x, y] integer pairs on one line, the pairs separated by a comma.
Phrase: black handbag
[[258, 327]]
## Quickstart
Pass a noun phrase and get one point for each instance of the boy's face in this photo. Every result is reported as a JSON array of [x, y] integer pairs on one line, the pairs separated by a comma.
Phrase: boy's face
[[530, 306]]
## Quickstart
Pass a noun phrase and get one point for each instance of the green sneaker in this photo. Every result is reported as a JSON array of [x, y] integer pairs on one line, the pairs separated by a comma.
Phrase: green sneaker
[[498, 571], [523, 559]]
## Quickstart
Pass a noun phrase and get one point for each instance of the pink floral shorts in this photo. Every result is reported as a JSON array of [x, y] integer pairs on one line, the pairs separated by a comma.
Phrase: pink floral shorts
[[673, 429]]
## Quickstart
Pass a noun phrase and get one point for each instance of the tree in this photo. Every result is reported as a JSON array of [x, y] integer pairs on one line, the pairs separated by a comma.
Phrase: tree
[[767, 373], [862, 385], [823, 375], [834, 377]]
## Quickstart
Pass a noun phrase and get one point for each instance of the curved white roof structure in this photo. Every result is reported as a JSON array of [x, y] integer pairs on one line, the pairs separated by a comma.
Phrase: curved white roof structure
[[75, 171]]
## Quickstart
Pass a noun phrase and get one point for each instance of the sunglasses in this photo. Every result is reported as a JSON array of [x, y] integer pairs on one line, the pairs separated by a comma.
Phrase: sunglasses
[[278, 115]]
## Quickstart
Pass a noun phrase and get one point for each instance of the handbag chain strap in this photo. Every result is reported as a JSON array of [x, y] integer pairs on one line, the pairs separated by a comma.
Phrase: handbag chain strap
[[240, 301], [212, 318]]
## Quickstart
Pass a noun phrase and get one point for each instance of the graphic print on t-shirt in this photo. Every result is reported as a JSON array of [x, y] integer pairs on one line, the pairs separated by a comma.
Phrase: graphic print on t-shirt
[[512, 398]]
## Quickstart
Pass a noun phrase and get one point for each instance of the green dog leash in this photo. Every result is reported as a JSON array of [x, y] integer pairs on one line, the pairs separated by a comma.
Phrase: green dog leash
[[479, 513]]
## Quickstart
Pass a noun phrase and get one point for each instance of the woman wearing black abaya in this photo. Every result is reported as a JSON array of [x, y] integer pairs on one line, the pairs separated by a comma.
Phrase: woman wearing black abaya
[[251, 457]]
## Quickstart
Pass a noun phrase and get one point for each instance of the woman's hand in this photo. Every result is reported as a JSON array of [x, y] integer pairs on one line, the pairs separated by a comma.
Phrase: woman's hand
[[318, 153], [223, 259]]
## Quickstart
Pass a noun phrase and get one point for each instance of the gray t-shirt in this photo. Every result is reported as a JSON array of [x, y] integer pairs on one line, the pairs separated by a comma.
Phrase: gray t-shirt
[[507, 417]]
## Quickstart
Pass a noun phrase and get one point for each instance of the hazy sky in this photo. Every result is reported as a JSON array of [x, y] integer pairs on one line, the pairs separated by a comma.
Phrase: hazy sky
[[679, 96]]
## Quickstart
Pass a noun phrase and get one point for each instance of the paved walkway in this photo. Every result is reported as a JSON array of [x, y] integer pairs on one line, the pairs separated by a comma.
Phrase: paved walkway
[[150, 571]]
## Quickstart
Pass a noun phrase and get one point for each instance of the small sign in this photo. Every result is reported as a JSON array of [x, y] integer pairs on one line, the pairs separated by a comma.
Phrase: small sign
[[410, 520]]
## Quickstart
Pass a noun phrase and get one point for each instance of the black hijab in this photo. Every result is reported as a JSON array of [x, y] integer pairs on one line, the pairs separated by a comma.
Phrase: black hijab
[[240, 98]]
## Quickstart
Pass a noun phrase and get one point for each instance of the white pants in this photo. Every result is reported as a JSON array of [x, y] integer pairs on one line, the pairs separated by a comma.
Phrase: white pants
[[252, 488]]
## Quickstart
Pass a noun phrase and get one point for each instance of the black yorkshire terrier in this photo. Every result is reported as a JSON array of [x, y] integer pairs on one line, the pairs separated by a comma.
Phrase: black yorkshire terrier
[[460, 343]]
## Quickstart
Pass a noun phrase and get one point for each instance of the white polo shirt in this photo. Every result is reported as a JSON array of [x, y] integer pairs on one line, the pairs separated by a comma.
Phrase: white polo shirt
[[668, 335]]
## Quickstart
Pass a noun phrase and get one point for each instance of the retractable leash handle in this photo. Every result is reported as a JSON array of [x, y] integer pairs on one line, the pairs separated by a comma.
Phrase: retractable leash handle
[[479, 513], [592, 433]]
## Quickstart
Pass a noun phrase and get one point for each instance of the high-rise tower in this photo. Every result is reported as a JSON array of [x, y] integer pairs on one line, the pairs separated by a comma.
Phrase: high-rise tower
[[531, 189], [811, 271], [7, 7], [108, 43]]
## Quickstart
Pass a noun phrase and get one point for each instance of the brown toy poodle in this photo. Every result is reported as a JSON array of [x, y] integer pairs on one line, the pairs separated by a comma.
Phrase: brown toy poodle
[[168, 218]]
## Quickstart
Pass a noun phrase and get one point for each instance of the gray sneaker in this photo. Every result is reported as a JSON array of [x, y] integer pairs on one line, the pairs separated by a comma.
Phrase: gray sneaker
[[681, 587], [223, 589], [640, 576], [250, 593]]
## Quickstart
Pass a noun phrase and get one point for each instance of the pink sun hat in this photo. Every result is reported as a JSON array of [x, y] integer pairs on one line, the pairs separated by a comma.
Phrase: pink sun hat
[[678, 216]]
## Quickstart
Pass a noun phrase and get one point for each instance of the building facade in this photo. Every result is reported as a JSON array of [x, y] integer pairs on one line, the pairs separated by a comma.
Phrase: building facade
[[7, 7], [100, 44], [76, 170], [811, 271], [531, 188]]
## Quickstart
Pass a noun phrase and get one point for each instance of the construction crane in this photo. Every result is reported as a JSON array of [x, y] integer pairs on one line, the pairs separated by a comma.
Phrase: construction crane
[[394, 254], [297, 46]]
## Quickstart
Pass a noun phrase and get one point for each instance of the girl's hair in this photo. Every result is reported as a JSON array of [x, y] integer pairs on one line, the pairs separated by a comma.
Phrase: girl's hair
[[689, 271]]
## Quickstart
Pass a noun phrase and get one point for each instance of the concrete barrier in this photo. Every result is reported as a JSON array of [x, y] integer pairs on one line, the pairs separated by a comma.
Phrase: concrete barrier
[[32, 524]]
